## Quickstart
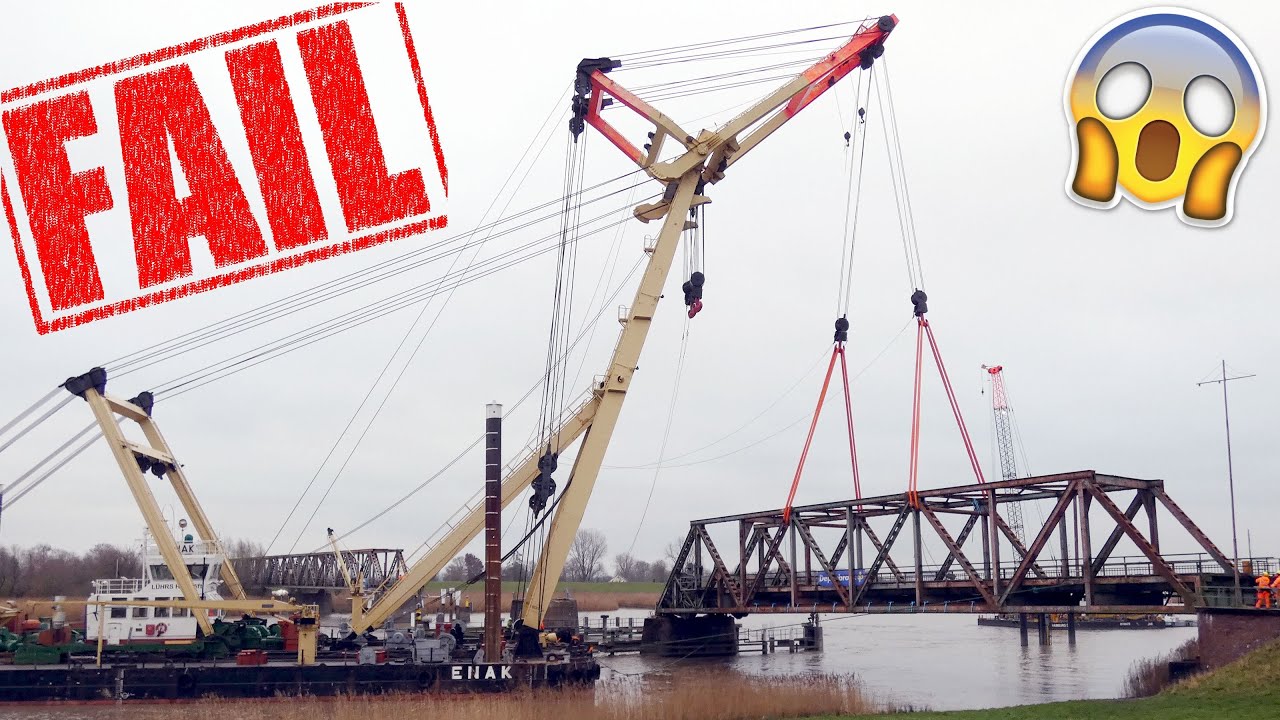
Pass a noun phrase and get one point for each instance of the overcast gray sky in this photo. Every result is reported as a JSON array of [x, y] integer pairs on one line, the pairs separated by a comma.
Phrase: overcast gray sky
[[1104, 320]]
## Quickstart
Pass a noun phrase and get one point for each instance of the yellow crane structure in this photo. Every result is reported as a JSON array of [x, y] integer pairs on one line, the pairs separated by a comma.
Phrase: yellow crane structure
[[155, 456], [703, 160]]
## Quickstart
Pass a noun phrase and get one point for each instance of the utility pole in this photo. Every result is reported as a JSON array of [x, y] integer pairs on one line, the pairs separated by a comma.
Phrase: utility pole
[[1231, 483]]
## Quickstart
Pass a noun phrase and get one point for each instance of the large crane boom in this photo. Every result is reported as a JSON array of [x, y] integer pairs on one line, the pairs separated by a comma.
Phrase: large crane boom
[[685, 176]]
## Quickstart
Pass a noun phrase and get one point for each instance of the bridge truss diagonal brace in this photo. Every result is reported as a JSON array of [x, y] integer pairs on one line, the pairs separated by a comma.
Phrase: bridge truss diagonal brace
[[1157, 562], [1018, 547], [1117, 532], [1193, 529], [958, 554], [882, 550], [718, 569], [1050, 524], [807, 537], [960, 539], [771, 553], [882, 554]]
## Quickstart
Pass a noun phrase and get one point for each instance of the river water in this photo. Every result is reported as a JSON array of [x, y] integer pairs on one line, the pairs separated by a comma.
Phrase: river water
[[939, 662], [945, 662]]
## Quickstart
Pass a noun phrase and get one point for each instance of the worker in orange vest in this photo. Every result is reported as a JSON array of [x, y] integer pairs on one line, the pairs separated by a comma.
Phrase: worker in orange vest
[[1275, 588], [1264, 591]]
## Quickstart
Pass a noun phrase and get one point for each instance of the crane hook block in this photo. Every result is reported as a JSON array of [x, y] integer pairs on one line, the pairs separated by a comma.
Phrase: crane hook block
[[693, 292], [919, 301], [842, 329]]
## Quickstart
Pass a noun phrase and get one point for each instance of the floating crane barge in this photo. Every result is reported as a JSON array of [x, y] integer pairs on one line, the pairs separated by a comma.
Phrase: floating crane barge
[[237, 658]]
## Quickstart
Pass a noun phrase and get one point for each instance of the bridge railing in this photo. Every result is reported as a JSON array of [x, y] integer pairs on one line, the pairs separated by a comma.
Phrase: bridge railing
[[1120, 566]]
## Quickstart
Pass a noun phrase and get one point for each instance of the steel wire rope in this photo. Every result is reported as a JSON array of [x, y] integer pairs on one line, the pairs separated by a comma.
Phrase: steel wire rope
[[35, 423], [726, 41], [643, 64], [389, 261], [912, 280], [347, 321], [666, 433], [902, 169], [32, 485], [728, 74], [853, 202], [412, 326], [13, 487], [770, 436], [30, 409], [299, 299], [475, 443], [403, 369], [268, 316], [716, 88]]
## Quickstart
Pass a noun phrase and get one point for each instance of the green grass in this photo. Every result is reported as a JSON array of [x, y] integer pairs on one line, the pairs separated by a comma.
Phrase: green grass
[[597, 587], [1246, 689]]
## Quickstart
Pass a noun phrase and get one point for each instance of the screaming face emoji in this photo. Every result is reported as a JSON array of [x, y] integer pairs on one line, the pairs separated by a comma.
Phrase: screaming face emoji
[[1165, 105]]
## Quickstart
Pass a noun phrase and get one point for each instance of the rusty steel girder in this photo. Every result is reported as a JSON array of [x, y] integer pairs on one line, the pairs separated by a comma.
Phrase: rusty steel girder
[[783, 567]]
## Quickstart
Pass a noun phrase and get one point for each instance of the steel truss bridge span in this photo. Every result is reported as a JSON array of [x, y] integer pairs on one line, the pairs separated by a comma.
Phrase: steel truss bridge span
[[320, 571], [874, 555]]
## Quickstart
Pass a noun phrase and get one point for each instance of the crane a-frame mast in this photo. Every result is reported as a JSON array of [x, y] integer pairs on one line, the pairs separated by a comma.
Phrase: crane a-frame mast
[[135, 460], [704, 160]]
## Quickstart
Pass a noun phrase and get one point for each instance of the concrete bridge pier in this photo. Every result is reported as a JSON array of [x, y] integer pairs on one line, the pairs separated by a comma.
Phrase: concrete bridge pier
[[1226, 633], [690, 636]]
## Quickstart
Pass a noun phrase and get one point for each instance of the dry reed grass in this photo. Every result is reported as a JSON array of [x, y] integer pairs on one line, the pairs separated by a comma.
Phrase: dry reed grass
[[1149, 676], [688, 696]]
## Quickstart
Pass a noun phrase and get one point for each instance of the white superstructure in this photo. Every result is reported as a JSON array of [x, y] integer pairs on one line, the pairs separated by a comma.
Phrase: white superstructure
[[125, 624]]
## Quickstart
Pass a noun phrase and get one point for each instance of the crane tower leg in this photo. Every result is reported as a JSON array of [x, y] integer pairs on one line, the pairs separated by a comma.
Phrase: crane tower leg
[[104, 411], [573, 502]]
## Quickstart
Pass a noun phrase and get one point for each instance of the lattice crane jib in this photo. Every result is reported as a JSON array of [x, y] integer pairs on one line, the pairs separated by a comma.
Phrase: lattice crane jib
[[1002, 420]]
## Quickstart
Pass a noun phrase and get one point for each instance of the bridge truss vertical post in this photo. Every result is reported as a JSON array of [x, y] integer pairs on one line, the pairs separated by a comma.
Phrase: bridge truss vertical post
[[791, 529], [919, 552], [1153, 532], [1062, 543], [1086, 546], [993, 521], [852, 552]]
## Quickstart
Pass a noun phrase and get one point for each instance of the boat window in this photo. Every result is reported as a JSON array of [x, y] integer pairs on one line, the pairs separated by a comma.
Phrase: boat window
[[197, 570], [161, 572], [161, 612], [119, 612], [140, 612], [180, 612]]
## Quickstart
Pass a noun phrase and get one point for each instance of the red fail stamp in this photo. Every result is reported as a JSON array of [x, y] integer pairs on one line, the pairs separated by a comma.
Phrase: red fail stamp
[[218, 160]]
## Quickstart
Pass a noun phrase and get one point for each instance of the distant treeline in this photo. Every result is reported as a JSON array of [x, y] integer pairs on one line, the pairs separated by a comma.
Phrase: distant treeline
[[43, 571]]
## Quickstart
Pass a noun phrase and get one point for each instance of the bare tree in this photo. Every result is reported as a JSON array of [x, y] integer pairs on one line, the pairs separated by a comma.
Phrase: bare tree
[[243, 549], [586, 556], [658, 571], [672, 550], [474, 566], [624, 566], [516, 569], [456, 570], [640, 572]]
